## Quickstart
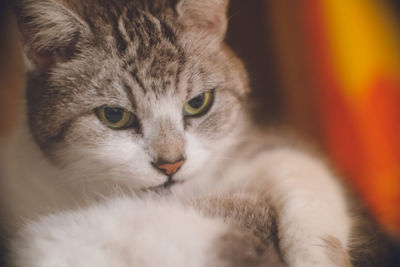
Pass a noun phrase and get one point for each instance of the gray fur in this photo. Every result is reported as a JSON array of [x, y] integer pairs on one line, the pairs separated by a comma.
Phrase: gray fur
[[136, 55], [253, 238], [133, 54], [243, 249]]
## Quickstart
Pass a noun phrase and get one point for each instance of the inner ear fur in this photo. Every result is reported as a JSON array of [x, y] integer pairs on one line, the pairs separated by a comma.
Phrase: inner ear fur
[[50, 30], [208, 16]]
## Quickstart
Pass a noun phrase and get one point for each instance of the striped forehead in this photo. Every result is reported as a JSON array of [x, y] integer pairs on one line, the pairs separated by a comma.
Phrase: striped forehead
[[150, 51], [160, 73], [143, 30]]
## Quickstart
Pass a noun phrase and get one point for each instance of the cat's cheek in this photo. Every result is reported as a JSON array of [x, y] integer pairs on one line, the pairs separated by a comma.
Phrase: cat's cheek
[[196, 157], [116, 158]]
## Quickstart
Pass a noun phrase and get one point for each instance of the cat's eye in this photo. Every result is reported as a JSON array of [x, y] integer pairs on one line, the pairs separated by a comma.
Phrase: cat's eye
[[198, 105], [115, 117]]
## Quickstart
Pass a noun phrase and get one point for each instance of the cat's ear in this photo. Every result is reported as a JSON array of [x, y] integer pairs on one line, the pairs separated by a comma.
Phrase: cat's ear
[[50, 30], [208, 16]]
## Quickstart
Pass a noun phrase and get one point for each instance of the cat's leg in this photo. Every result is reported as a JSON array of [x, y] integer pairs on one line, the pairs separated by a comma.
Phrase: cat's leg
[[249, 213], [312, 217], [313, 222]]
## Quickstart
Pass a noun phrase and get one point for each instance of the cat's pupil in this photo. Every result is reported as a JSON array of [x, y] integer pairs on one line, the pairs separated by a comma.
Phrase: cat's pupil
[[114, 115], [197, 102]]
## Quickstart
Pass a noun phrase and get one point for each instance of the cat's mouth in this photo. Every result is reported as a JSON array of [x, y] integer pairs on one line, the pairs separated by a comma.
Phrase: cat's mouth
[[165, 187]]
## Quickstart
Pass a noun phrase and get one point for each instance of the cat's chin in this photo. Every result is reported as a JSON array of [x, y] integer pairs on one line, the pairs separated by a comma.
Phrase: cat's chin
[[165, 187]]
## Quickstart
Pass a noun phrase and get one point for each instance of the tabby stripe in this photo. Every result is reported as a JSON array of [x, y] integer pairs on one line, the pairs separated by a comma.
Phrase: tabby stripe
[[131, 97], [119, 39], [151, 29], [134, 74], [274, 232], [178, 77], [182, 62], [167, 32], [190, 86], [60, 135], [122, 27]]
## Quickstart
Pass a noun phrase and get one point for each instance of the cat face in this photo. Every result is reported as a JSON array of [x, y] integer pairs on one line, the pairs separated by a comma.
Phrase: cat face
[[139, 93]]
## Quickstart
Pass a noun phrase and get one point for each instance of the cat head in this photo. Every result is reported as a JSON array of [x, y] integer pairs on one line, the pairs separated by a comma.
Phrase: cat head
[[135, 92]]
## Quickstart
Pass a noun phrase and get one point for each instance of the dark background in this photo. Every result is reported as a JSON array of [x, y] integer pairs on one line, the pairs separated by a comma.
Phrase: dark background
[[250, 37]]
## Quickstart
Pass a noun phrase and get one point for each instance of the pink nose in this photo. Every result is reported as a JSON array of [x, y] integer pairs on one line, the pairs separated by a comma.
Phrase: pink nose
[[170, 168]]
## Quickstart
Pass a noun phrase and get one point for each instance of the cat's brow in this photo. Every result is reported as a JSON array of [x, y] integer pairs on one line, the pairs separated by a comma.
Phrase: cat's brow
[[134, 74], [131, 97]]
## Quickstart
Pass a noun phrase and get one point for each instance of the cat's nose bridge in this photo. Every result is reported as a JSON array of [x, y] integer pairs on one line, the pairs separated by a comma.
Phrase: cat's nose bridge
[[167, 141]]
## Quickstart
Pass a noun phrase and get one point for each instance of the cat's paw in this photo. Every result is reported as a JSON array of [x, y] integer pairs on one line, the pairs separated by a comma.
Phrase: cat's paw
[[328, 253], [336, 253]]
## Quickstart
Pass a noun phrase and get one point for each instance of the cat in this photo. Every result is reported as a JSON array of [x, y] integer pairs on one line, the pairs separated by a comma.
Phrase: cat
[[140, 96]]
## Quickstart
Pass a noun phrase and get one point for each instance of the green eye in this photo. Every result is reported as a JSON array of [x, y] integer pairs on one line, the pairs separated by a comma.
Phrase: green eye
[[199, 105], [115, 117]]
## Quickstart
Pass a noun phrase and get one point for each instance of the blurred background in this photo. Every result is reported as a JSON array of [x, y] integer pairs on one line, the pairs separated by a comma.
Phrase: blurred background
[[331, 71], [328, 69]]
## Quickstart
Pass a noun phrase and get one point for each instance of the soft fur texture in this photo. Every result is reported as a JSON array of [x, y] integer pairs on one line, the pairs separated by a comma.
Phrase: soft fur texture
[[134, 233], [150, 58], [147, 233]]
